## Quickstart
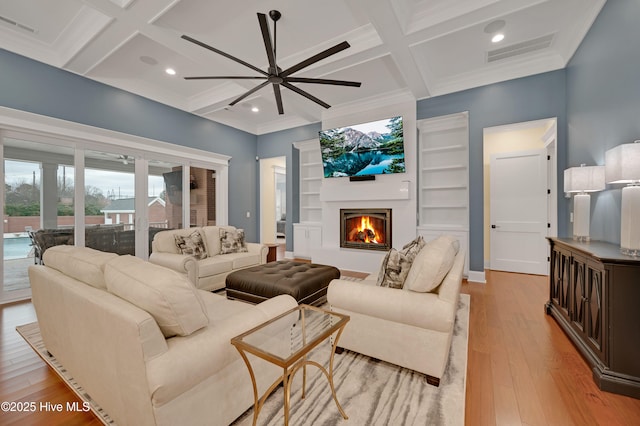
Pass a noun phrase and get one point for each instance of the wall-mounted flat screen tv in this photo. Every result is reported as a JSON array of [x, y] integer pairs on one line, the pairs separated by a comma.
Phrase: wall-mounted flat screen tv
[[372, 148]]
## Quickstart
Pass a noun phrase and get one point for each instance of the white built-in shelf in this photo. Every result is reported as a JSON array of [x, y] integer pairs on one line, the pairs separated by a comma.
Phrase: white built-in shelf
[[443, 187], [444, 206], [444, 178], [310, 181], [444, 148], [445, 167]]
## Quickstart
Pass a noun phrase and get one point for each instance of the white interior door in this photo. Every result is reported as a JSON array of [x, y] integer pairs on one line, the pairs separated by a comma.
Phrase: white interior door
[[518, 186]]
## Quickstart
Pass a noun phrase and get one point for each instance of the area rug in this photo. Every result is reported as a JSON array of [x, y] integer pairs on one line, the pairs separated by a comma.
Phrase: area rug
[[371, 392], [374, 392], [31, 333]]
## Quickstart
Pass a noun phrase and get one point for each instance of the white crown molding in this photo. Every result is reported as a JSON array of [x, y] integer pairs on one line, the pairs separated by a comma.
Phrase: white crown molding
[[531, 65], [447, 122], [576, 37], [282, 124], [28, 47], [384, 99]]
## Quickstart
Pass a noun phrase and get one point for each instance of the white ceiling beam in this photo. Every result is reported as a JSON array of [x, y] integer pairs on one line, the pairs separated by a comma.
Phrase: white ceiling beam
[[384, 20]]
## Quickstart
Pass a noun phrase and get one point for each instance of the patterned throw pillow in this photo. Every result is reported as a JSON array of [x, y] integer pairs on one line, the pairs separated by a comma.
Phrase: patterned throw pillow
[[232, 241], [396, 264], [191, 245], [412, 248], [396, 267]]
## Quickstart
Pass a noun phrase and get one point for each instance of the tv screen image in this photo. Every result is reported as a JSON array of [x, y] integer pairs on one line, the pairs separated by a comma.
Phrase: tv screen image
[[372, 148]]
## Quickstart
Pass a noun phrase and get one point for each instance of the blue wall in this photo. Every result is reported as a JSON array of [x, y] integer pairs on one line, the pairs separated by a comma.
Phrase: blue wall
[[603, 102], [279, 144], [531, 98], [35, 87]]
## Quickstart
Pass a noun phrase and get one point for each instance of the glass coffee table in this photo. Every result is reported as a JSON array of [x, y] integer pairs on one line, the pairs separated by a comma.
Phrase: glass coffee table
[[286, 341]]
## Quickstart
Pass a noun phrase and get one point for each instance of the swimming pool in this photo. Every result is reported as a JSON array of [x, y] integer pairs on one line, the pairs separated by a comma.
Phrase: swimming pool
[[16, 247]]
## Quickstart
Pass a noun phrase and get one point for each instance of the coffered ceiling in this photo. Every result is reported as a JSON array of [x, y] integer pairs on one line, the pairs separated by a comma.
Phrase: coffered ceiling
[[425, 47]]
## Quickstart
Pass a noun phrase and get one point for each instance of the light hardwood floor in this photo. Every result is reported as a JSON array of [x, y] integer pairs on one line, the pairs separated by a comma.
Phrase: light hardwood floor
[[522, 370]]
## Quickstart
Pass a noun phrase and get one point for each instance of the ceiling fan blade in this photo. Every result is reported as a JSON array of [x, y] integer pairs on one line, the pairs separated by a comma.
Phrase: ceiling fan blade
[[226, 55], [305, 94], [216, 77], [276, 91], [266, 36], [323, 81], [251, 91], [315, 58]]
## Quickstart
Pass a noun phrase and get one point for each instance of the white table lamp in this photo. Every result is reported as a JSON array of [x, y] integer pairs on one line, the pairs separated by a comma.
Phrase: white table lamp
[[622, 165], [582, 180]]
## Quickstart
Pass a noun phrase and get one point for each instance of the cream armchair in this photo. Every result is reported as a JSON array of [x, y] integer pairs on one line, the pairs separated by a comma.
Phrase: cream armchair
[[412, 329]]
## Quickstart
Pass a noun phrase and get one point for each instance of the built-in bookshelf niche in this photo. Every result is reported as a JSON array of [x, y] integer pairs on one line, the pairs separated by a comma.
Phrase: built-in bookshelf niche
[[443, 179], [310, 181]]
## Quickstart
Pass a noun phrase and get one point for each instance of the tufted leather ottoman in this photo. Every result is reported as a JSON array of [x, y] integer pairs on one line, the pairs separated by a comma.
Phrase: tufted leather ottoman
[[306, 282]]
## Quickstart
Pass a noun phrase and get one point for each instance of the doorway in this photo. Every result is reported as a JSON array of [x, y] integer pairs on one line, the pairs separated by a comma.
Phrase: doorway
[[515, 237], [273, 200]]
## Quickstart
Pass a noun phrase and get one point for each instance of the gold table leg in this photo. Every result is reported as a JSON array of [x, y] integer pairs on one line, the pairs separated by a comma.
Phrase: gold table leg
[[287, 379]]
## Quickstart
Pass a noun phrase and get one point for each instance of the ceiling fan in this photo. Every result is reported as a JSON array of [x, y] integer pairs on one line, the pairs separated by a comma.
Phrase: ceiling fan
[[275, 75]]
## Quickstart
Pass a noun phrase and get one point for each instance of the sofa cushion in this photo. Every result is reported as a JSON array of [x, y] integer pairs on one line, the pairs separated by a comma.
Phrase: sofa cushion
[[396, 264], [214, 265], [191, 244], [432, 264], [166, 295], [232, 241], [82, 263], [243, 260]]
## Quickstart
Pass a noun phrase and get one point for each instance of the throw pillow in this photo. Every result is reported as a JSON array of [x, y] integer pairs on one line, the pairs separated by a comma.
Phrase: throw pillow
[[432, 264], [232, 241], [191, 245], [399, 263], [169, 297], [412, 248], [396, 268]]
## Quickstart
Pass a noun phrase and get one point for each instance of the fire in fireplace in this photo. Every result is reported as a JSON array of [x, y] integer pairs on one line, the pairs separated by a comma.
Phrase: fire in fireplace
[[368, 229]]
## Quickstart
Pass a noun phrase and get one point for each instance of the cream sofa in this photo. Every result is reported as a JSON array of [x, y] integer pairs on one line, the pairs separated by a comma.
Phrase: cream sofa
[[409, 328], [208, 273], [107, 319]]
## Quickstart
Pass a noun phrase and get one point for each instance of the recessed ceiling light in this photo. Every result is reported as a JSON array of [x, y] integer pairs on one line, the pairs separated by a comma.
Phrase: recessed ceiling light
[[170, 71], [497, 38], [255, 109]]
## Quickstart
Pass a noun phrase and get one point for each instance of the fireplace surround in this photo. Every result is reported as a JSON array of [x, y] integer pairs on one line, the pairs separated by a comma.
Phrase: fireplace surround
[[366, 229]]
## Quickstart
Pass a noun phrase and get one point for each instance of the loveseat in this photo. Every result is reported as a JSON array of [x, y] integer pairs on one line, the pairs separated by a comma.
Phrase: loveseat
[[207, 254], [145, 344], [410, 326]]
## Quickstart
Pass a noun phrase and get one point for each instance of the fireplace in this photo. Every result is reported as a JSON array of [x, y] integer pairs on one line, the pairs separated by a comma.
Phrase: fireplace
[[368, 229]]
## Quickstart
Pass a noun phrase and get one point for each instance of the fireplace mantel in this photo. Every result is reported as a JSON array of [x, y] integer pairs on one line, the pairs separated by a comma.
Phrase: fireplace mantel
[[364, 191]]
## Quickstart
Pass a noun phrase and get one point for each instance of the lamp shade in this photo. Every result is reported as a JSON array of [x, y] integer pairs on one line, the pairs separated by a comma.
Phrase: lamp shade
[[622, 163], [584, 179]]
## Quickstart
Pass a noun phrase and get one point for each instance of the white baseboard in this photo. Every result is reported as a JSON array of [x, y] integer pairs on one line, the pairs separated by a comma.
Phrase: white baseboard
[[477, 277]]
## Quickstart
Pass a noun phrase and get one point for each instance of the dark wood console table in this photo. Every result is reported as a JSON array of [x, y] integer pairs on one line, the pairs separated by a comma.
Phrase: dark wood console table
[[595, 298]]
